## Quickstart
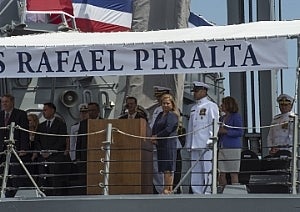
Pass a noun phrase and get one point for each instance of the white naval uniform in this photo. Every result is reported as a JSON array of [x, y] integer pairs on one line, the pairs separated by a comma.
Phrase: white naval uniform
[[281, 135], [202, 115], [158, 178], [73, 140]]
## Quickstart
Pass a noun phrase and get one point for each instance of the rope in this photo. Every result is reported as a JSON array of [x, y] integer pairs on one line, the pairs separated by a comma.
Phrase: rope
[[262, 127], [97, 174], [140, 137], [160, 138], [222, 124], [144, 137], [60, 135]]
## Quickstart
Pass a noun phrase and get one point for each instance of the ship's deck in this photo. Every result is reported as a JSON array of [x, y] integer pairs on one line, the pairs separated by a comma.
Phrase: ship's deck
[[145, 203]]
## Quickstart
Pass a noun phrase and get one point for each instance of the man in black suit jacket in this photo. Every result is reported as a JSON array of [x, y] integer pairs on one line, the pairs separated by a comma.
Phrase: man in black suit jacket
[[8, 115], [81, 145], [133, 111], [52, 149]]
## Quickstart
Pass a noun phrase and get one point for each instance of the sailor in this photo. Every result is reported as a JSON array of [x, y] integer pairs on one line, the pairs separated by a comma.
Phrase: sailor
[[200, 131], [280, 135], [158, 178], [83, 114]]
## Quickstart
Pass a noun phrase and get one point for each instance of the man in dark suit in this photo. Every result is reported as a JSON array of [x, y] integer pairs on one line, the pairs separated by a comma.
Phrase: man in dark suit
[[81, 145], [52, 149], [8, 115], [133, 111]]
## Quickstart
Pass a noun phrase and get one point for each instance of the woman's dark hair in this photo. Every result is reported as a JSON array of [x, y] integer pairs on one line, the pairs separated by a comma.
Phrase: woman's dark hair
[[230, 104]]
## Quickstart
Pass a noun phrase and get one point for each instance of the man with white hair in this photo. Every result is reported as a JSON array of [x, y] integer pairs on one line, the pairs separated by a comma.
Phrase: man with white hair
[[280, 135]]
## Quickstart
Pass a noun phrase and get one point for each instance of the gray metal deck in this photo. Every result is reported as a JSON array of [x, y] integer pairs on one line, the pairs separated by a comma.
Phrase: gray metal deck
[[145, 203]]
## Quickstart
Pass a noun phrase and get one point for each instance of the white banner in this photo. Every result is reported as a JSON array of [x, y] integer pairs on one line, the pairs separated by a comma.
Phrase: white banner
[[143, 59]]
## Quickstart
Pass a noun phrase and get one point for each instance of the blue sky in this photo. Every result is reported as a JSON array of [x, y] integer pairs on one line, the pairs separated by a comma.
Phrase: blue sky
[[289, 11]]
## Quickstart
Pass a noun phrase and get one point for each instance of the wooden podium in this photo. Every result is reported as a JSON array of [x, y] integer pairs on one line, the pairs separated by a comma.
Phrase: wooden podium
[[130, 158]]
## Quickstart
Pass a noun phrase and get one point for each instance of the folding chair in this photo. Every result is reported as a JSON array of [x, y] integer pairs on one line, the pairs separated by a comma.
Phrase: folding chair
[[60, 10]]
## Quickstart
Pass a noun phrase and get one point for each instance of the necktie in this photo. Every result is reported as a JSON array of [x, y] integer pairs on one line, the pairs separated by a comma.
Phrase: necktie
[[6, 119], [48, 125]]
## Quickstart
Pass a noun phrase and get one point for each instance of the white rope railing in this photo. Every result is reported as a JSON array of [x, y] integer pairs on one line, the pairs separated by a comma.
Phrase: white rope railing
[[60, 135], [116, 130], [144, 137]]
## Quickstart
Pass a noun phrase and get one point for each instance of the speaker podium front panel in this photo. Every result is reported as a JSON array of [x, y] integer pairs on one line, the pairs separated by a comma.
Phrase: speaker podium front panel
[[130, 158]]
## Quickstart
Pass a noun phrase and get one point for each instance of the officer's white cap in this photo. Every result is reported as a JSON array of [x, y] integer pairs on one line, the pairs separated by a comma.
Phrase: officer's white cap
[[83, 107], [199, 85], [285, 99], [159, 90]]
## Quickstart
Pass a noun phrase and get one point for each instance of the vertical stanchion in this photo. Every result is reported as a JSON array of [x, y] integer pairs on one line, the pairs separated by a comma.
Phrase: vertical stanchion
[[295, 156], [6, 169], [22, 7], [215, 157], [10, 144], [296, 131], [107, 158], [10, 149]]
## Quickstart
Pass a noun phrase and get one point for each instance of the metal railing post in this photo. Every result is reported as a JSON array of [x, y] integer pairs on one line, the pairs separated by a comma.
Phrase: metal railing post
[[107, 158], [295, 155], [215, 158], [10, 150]]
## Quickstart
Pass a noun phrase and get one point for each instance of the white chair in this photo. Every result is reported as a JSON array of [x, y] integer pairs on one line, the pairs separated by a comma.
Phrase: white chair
[[54, 9]]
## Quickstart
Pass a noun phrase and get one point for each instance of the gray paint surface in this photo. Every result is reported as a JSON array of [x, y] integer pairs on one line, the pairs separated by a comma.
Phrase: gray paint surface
[[145, 203]]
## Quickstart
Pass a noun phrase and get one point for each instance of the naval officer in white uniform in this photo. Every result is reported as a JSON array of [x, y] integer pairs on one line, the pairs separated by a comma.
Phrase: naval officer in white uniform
[[202, 117], [280, 136]]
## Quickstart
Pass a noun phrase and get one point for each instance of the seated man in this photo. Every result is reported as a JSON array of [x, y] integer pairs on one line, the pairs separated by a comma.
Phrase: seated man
[[280, 136]]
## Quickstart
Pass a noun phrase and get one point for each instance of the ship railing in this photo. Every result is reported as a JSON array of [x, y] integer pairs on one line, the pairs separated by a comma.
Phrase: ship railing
[[74, 179]]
